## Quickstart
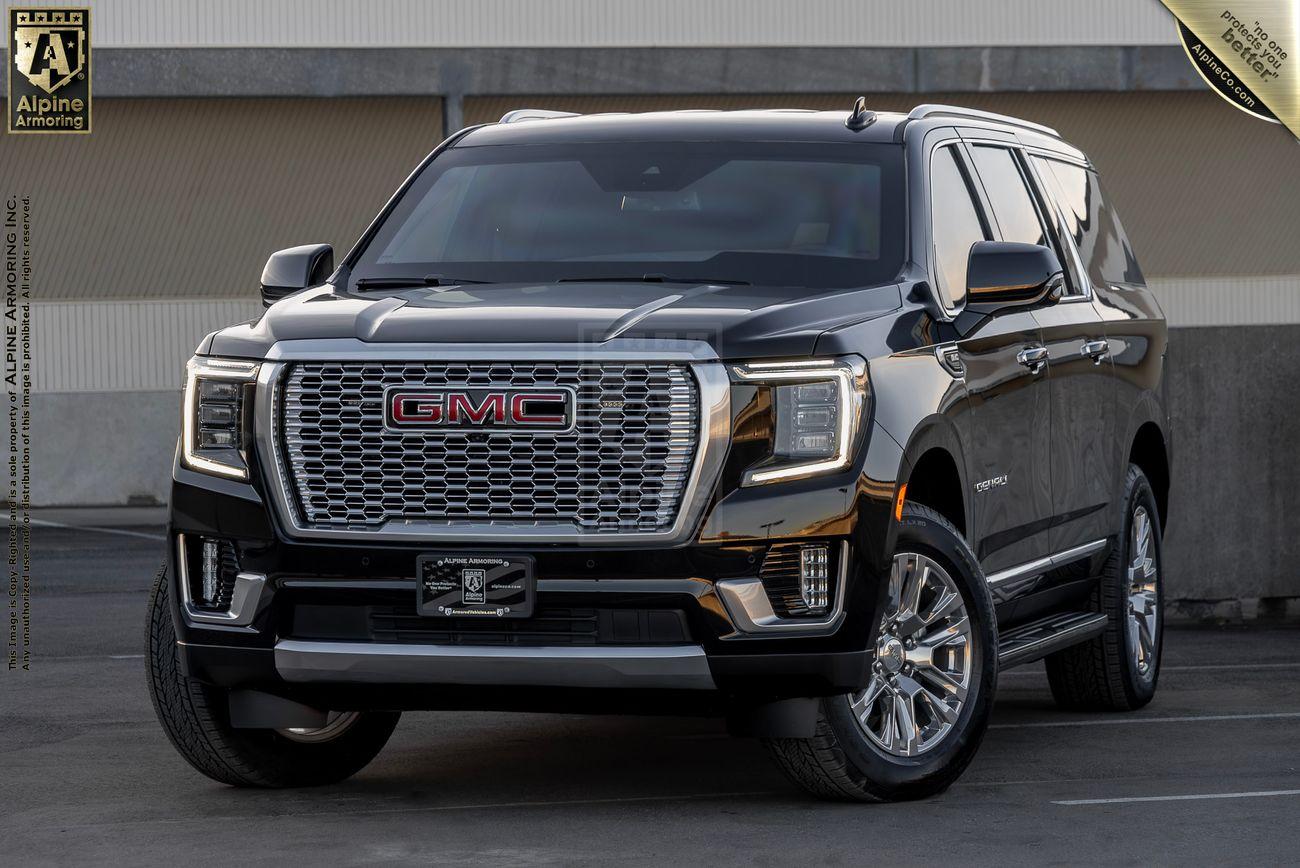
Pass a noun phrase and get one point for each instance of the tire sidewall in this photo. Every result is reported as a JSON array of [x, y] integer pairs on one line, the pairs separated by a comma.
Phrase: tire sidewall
[[1138, 494], [244, 757], [920, 532]]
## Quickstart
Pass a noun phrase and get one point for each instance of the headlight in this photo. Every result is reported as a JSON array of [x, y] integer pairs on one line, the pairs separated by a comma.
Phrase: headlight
[[817, 406], [214, 426]]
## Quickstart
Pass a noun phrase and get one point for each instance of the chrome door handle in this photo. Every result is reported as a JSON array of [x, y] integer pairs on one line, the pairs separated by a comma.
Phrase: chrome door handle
[[1096, 350], [1033, 358]]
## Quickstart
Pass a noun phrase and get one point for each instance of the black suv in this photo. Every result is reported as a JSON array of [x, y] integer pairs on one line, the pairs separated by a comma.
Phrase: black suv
[[811, 420]]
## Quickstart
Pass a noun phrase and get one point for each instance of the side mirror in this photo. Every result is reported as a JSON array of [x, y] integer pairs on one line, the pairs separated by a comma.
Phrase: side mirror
[[1002, 274], [295, 268]]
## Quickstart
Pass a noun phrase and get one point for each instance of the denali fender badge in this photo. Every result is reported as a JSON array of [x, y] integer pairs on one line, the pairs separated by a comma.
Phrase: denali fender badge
[[539, 409]]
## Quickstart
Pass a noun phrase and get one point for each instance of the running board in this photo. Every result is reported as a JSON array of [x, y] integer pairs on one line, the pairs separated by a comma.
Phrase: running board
[[1037, 639]]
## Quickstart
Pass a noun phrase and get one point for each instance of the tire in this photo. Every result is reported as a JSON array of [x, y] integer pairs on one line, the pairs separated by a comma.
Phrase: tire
[[1106, 672], [846, 760], [195, 717]]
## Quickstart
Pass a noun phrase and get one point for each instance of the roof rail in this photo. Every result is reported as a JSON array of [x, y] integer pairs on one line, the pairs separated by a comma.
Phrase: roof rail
[[932, 110], [515, 115]]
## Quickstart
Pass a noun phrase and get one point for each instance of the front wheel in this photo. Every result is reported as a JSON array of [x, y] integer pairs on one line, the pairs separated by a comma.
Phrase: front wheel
[[918, 722], [196, 718]]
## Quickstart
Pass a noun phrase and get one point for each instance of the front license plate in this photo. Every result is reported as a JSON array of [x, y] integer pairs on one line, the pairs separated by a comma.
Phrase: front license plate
[[475, 585]]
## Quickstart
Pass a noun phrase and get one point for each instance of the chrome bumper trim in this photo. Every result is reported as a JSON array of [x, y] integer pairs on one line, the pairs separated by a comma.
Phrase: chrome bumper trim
[[751, 611], [673, 666]]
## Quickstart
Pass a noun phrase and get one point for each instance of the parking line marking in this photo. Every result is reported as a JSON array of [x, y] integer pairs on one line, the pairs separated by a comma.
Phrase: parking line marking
[[1120, 721], [1188, 798], [135, 533], [1210, 667]]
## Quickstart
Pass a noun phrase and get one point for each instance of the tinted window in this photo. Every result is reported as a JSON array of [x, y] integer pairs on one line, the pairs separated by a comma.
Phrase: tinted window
[[815, 215], [1096, 229], [956, 223], [1013, 207]]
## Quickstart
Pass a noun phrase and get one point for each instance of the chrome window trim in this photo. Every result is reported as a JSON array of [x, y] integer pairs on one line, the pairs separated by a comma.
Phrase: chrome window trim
[[714, 435], [1043, 564], [244, 598], [747, 603]]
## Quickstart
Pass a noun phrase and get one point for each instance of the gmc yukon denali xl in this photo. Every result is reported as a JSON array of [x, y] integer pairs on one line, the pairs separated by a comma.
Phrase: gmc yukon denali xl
[[813, 421]]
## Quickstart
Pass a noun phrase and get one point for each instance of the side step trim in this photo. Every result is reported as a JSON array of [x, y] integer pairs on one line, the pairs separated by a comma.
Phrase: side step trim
[[1036, 640]]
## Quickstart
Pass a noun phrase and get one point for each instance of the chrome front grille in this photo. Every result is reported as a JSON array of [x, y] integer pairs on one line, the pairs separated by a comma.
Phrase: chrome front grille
[[623, 468]]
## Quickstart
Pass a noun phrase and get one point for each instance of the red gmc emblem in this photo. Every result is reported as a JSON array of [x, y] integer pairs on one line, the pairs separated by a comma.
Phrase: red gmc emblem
[[550, 409]]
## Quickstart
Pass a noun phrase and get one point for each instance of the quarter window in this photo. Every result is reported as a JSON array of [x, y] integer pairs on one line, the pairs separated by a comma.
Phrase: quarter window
[[956, 224], [1094, 225]]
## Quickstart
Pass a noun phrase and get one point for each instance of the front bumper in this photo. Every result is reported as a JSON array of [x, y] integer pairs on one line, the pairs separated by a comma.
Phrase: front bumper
[[334, 623]]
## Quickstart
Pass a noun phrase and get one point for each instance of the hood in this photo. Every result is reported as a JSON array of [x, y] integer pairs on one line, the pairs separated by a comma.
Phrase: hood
[[737, 321]]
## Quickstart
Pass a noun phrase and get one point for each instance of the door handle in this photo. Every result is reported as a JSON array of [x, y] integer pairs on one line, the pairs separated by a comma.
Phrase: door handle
[[1033, 358], [1096, 350]]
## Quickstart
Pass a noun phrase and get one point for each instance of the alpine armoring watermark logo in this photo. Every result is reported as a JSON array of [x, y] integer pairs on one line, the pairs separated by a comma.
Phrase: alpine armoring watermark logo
[[479, 409], [49, 70]]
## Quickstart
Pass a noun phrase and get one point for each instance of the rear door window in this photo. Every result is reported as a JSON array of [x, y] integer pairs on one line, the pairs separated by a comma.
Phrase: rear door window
[[1013, 206]]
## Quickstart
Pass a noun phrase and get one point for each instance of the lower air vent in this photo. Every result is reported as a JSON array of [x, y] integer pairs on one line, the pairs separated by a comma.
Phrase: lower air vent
[[547, 627]]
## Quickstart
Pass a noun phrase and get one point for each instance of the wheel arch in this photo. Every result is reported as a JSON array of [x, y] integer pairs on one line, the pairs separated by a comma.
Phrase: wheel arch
[[933, 472], [1150, 452]]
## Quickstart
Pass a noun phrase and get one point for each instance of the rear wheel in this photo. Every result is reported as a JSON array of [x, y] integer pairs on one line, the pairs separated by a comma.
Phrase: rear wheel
[[1118, 670], [196, 718], [915, 726]]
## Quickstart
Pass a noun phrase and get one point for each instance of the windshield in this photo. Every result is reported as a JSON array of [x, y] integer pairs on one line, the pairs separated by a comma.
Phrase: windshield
[[817, 215]]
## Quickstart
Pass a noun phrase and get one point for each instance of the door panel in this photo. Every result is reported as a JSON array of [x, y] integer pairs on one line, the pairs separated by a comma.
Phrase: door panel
[[1083, 437], [1010, 441]]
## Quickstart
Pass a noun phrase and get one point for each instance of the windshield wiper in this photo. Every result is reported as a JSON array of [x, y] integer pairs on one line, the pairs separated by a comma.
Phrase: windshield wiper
[[654, 277], [407, 282]]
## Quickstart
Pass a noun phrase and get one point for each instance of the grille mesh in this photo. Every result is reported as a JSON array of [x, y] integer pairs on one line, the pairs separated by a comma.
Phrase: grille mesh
[[622, 468]]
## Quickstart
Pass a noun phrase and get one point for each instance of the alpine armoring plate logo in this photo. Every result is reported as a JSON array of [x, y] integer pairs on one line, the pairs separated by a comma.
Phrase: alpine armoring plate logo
[[549, 410]]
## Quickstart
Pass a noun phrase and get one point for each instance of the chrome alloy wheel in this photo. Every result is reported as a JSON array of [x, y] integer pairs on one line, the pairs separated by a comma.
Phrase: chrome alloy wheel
[[336, 723], [922, 667], [1143, 595]]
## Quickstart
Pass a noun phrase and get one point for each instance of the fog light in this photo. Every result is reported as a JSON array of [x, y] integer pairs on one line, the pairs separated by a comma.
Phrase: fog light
[[211, 572], [815, 577]]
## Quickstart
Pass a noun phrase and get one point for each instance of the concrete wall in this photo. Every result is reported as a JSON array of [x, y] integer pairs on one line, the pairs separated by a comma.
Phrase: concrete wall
[[1233, 522]]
